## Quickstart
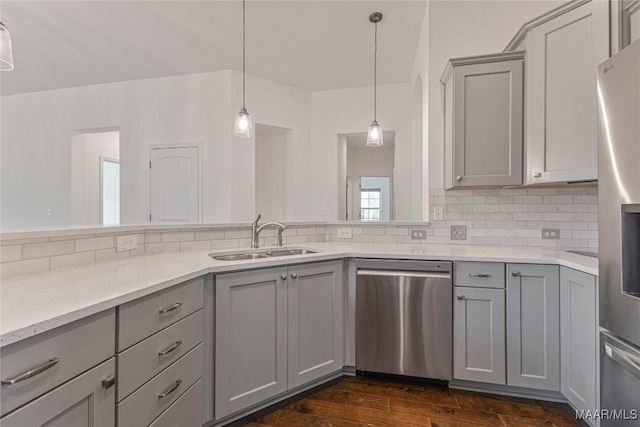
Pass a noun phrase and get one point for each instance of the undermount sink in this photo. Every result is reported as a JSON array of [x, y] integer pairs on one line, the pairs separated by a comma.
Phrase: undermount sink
[[288, 252], [238, 257], [266, 253]]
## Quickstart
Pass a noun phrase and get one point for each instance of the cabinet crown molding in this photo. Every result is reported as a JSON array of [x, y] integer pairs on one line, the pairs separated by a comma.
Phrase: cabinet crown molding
[[479, 59], [522, 33]]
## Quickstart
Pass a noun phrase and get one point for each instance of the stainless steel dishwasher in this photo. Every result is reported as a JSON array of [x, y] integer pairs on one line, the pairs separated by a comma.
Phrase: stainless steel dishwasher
[[404, 318]]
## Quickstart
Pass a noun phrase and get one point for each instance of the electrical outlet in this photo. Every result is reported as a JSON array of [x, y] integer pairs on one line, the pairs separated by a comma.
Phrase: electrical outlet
[[418, 234], [126, 243], [344, 233], [438, 213], [550, 233], [458, 232]]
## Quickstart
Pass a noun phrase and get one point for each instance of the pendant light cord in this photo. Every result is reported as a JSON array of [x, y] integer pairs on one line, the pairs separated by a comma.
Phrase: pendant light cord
[[375, 73], [244, 48]]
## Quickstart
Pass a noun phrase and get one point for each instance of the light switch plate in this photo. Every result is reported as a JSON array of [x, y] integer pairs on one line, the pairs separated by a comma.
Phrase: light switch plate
[[344, 233], [458, 232], [126, 243]]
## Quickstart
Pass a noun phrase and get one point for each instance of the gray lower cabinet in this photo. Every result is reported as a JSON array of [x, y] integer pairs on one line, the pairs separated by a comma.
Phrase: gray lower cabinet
[[578, 332], [483, 120], [80, 402], [276, 329], [479, 335], [533, 326]]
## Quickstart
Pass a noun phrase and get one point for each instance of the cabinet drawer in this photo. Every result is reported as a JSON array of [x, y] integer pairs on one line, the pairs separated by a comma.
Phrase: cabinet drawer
[[478, 274], [185, 412], [143, 361], [145, 404], [77, 347], [83, 401], [145, 316]]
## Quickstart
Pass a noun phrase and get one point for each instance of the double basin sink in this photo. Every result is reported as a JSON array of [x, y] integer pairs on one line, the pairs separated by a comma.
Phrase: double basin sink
[[267, 253]]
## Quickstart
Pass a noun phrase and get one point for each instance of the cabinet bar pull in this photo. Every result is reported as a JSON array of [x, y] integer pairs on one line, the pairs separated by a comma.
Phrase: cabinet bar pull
[[480, 275], [172, 307], [170, 390], [32, 373], [170, 348], [109, 382]]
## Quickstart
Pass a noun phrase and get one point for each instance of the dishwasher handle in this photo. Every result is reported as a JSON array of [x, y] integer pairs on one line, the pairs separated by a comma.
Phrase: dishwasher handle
[[398, 273]]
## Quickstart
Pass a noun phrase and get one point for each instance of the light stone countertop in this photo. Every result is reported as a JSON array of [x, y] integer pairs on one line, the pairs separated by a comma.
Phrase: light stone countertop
[[35, 304]]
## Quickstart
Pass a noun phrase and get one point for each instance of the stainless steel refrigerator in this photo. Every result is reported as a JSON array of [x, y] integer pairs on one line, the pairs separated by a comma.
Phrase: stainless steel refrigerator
[[619, 236]]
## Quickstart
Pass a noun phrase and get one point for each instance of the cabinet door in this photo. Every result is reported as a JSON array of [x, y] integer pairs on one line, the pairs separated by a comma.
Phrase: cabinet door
[[487, 124], [578, 331], [251, 338], [80, 402], [479, 335], [533, 326], [561, 110], [315, 321]]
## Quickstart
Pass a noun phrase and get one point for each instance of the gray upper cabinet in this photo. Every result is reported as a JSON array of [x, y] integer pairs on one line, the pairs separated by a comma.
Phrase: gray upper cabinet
[[483, 120], [629, 21], [578, 337], [564, 48], [251, 338], [315, 321], [533, 326]]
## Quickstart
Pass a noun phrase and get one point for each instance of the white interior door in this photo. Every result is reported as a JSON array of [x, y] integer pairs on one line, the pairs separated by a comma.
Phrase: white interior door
[[175, 185]]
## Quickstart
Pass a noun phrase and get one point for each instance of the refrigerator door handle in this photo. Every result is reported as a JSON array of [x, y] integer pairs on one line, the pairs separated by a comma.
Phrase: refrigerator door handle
[[623, 359]]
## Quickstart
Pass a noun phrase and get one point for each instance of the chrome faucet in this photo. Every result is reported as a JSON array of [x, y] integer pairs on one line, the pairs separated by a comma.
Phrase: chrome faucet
[[255, 232]]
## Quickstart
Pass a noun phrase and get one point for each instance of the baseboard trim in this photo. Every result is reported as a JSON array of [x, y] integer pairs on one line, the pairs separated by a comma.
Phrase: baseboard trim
[[505, 390]]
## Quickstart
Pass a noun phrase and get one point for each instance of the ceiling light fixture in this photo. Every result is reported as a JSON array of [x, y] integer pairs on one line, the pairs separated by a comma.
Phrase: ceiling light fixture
[[6, 55], [243, 126], [374, 137]]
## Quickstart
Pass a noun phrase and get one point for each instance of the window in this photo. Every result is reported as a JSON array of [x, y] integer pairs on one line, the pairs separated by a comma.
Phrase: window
[[370, 204]]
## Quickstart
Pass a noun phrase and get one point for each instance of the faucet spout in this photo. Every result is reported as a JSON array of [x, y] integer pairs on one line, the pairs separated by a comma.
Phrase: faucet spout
[[255, 242]]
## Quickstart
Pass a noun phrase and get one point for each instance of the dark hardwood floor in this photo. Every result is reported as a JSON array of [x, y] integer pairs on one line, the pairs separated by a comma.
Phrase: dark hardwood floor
[[358, 401]]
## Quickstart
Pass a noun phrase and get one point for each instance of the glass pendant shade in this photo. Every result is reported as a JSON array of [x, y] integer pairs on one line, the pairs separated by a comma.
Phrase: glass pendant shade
[[243, 126], [374, 137], [6, 55]]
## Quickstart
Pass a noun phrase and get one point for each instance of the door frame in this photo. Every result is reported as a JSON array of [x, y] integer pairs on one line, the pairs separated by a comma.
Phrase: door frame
[[198, 146], [103, 159]]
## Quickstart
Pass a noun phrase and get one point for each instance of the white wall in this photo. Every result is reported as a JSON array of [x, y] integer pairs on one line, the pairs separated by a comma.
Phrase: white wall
[[270, 176], [463, 28], [343, 111], [198, 108]]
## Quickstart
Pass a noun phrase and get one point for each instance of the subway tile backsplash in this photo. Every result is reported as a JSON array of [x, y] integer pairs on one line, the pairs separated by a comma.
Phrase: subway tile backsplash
[[508, 217], [513, 217]]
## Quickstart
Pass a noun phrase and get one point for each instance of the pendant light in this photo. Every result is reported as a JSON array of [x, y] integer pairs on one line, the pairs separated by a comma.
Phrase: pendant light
[[374, 137], [6, 55], [243, 126]]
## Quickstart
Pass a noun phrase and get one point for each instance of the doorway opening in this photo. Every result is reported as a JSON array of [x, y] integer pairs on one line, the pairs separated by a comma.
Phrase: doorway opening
[[95, 177], [366, 178]]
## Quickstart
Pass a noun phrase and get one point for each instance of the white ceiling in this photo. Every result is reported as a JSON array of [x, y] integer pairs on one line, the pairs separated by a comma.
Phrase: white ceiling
[[315, 45]]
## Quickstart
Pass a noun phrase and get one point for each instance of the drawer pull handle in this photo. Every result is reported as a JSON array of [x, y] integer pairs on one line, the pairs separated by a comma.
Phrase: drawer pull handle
[[173, 388], [170, 349], [294, 276], [170, 308], [32, 373], [109, 382], [515, 274], [460, 297], [283, 277], [480, 275]]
